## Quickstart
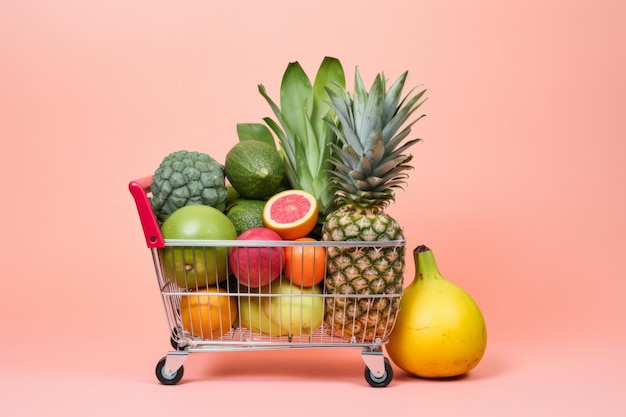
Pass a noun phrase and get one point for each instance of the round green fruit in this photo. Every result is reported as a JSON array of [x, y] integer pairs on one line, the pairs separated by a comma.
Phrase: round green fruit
[[255, 169], [246, 214], [193, 267], [232, 196]]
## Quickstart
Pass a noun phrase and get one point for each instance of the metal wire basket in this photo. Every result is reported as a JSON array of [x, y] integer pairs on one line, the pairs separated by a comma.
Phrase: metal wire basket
[[209, 309]]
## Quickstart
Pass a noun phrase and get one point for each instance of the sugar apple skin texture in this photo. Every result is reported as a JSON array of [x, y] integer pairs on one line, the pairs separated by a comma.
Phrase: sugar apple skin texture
[[184, 178]]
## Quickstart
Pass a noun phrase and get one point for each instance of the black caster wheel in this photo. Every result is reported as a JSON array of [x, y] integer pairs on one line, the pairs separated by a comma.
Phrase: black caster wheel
[[168, 379], [174, 343], [383, 380], [173, 340]]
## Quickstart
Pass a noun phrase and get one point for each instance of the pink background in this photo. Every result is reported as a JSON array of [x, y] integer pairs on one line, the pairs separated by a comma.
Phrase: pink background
[[518, 189]]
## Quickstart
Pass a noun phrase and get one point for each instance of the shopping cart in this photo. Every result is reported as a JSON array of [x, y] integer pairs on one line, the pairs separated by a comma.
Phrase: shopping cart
[[239, 318]]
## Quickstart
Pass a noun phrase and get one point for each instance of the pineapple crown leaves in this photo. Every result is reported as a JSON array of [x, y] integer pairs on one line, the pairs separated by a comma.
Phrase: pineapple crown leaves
[[369, 157]]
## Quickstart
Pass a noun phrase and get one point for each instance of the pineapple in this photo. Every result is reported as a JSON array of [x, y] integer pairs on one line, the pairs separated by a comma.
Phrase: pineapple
[[368, 164]]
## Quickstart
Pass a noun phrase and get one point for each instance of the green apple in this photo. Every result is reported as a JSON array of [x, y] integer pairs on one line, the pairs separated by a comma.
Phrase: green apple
[[296, 310], [253, 316]]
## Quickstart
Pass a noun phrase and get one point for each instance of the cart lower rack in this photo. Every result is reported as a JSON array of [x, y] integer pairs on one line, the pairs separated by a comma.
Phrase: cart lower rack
[[209, 309]]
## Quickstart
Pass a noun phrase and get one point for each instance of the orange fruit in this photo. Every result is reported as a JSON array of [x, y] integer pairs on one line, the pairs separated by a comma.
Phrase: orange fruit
[[208, 313], [291, 213], [305, 265]]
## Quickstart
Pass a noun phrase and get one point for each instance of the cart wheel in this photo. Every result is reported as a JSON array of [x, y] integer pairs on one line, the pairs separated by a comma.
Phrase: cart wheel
[[175, 336], [174, 343], [383, 380], [165, 379]]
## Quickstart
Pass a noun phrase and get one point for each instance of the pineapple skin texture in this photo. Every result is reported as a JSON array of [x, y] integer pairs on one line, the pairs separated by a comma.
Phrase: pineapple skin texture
[[369, 163], [352, 271]]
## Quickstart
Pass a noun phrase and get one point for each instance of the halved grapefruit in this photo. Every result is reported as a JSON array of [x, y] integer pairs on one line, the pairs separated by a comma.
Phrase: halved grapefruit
[[291, 213]]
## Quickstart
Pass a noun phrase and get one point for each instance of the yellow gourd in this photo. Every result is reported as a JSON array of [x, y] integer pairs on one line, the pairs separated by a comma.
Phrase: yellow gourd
[[440, 330]]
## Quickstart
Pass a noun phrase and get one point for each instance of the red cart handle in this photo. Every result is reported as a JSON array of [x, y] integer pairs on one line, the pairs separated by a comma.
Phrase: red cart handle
[[139, 189]]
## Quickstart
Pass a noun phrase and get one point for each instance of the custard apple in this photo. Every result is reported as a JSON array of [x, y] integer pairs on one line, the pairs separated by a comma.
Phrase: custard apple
[[184, 178]]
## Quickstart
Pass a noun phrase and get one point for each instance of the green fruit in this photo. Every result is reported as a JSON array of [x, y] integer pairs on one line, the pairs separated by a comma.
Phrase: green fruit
[[255, 169], [186, 178], [246, 214], [253, 314], [296, 310], [231, 197], [196, 267]]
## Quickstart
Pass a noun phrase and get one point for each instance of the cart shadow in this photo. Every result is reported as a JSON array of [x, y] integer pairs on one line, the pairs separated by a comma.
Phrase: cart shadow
[[288, 365], [307, 365]]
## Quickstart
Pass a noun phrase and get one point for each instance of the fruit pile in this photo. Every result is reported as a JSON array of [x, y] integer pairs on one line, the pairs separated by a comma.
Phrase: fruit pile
[[256, 206], [325, 169]]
